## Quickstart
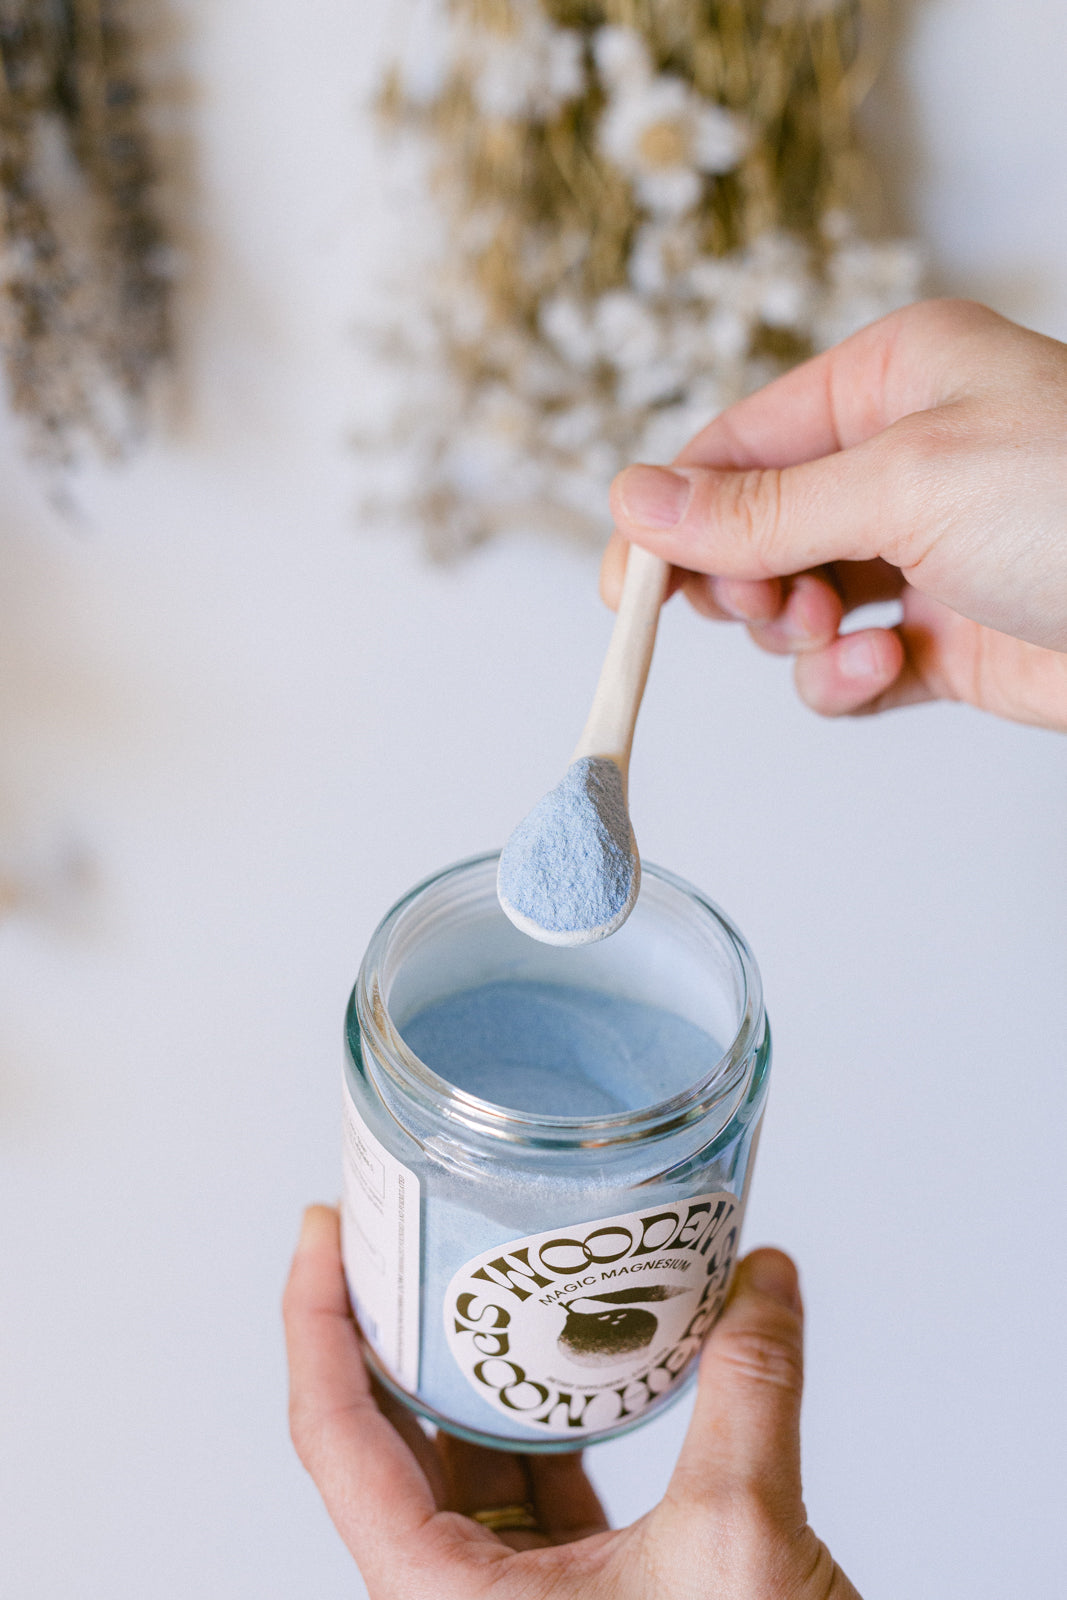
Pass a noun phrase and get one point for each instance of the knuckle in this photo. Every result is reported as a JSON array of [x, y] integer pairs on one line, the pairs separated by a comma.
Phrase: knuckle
[[311, 1430], [769, 1356], [926, 437], [754, 509], [950, 316], [739, 1515], [301, 1431]]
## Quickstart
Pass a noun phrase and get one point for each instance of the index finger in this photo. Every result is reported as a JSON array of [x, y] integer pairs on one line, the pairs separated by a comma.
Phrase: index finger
[[899, 365]]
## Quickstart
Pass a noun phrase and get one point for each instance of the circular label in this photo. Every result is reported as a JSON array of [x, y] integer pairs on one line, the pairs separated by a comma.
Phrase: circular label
[[582, 1327]]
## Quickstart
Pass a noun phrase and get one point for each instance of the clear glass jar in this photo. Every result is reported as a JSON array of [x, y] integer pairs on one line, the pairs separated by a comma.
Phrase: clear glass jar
[[526, 1281]]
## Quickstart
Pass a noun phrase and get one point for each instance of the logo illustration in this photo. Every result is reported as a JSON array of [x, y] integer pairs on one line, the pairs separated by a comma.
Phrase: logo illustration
[[594, 1337]]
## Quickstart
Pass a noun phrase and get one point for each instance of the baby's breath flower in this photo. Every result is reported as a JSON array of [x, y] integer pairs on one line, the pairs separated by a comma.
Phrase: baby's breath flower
[[526, 70], [866, 281], [573, 428], [668, 430], [643, 387], [568, 327], [661, 255], [627, 330]]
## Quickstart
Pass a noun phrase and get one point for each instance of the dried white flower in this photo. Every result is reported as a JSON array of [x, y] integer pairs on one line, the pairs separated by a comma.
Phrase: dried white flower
[[661, 255], [866, 281], [584, 493], [621, 57], [574, 428], [627, 331], [568, 326], [425, 53], [526, 71], [599, 339], [662, 380], [539, 376], [770, 282], [727, 335], [666, 137], [668, 430]]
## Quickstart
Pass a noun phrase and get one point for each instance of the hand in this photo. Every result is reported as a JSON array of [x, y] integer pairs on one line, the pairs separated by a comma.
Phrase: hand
[[925, 460], [731, 1526]]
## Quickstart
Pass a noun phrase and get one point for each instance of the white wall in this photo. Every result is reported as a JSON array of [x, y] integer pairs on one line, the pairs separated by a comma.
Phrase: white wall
[[255, 726]]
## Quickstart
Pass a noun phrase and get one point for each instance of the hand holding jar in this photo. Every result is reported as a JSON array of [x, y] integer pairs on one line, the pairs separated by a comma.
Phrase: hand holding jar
[[458, 1521]]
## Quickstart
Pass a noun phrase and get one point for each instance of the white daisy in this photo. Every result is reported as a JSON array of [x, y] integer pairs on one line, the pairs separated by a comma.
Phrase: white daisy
[[665, 137], [621, 57]]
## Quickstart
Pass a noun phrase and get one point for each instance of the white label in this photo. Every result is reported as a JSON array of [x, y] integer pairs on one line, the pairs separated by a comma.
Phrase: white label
[[380, 1246], [580, 1328]]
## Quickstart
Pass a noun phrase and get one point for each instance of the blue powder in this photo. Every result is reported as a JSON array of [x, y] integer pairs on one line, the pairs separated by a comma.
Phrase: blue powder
[[564, 1051], [561, 1050], [569, 865]]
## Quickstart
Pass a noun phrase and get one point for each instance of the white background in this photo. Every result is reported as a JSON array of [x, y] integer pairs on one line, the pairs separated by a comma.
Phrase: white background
[[254, 726]]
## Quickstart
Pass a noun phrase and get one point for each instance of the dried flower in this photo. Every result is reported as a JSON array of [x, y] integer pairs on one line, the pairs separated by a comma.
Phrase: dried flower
[[658, 130], [651, 208], [85, 273], [522, 67]]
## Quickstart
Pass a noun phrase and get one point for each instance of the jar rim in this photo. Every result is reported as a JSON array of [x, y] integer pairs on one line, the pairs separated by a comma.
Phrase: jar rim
[[718, 1087]]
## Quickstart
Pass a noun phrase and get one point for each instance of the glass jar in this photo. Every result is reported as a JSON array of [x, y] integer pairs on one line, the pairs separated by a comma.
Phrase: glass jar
[[527, 1281]]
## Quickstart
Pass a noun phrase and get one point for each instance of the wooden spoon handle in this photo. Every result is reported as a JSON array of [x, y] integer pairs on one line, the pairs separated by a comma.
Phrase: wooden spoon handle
[[609, 730]]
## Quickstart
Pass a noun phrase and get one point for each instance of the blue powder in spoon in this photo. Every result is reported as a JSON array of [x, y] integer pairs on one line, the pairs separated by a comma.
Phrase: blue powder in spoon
[[569, 865]]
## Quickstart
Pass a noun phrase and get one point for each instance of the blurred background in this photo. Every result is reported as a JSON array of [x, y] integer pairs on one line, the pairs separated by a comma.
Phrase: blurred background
[[234, 727]]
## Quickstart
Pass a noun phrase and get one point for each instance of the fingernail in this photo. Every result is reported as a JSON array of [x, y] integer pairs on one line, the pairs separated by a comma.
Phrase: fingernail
[[311, 1222], [653, 496], [857, 657], [785, 631], [773, 1274], [720, 593]]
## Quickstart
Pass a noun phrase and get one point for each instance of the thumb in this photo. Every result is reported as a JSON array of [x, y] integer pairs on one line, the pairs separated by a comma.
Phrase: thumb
[[766, 522], [744, 1437]]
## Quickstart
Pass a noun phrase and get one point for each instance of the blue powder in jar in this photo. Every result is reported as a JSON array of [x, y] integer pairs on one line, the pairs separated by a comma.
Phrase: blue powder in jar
[[570, 864], [563, 1051], [557, 1049]]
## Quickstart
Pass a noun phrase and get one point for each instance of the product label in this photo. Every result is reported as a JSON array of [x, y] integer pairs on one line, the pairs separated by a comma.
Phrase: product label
[[583, 1327], [380, 1246]]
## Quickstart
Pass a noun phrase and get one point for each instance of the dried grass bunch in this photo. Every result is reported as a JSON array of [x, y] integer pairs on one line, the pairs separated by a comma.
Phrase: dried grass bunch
[[649, 208], [83, 298]]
